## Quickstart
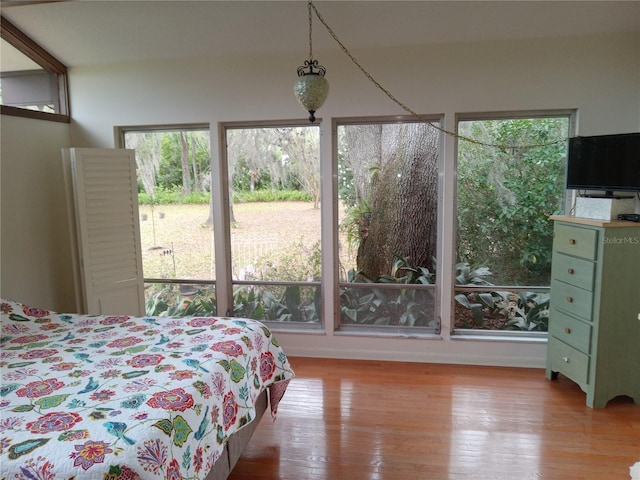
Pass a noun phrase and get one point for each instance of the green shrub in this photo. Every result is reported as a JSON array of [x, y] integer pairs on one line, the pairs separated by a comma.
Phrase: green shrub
[[173, 195], [278, 303], [271, 196], [166, 300], [379, 306], [527, 311]]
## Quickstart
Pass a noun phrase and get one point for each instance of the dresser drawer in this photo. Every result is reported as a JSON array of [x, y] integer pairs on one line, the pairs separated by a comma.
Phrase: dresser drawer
[[571, 299], [570, 330], [572, 270], [568, 361], [577, 241]]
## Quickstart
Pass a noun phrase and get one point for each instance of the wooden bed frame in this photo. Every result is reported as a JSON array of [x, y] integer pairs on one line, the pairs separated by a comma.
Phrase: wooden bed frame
[[237, 443]]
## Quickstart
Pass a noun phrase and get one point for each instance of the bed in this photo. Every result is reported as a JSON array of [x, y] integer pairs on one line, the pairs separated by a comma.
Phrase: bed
[[121, 397]]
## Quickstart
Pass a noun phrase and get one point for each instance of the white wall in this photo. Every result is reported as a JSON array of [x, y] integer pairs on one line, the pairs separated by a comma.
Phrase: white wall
[[599, 76], [35, 258]]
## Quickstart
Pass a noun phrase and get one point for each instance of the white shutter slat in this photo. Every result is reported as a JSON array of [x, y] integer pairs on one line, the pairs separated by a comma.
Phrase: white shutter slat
[[106, 200]]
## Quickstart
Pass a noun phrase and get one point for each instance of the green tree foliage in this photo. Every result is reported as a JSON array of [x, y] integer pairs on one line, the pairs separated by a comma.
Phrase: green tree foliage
[[198, 157], [276, 158], [159, 158], [505, 196]]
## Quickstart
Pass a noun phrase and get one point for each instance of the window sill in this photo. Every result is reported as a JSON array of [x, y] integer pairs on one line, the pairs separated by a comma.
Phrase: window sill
[[500, 336], [395, 333], [22, 112], [298, 328]]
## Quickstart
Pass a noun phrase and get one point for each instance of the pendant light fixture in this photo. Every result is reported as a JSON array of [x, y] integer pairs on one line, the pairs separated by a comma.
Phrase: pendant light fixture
[[311, 88]]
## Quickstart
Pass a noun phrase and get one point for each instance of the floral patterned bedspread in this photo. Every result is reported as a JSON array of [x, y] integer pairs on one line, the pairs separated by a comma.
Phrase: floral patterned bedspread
[[119, 397]]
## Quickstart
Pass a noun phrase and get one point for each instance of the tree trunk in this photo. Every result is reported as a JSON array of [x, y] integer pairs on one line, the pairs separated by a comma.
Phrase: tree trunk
[[184, 162], [402, 195], [194, 163], [232, 218], [364, 156]]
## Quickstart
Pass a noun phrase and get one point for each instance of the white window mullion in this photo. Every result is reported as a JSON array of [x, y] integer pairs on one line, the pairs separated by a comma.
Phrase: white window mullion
[[329, 237], [446, 245], [221, 222]]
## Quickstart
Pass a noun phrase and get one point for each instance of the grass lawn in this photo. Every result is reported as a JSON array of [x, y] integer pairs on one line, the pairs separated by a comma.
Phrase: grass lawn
[[177, 242]]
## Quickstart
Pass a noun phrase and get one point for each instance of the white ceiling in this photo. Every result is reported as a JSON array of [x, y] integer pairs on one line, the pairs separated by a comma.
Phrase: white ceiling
[[91, 32]]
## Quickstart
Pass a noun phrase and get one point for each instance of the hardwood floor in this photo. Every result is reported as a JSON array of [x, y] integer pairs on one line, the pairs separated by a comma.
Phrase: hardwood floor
[[357, 420]]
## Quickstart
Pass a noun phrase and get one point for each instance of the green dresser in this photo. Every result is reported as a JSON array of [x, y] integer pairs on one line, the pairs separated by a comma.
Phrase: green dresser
[[594, 318]]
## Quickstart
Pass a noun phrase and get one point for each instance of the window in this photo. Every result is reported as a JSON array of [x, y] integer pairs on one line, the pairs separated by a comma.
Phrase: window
[[32, 82], [176, 221], [388, 224], [510, 179], [274, 191], [258, 232], [247, 237]]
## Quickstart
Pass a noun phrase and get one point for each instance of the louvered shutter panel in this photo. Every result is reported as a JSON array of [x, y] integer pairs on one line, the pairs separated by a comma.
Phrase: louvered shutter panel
[[106, 204]]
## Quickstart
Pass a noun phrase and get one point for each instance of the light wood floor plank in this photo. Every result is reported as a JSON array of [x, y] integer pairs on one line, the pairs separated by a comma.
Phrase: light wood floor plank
[[358, 420]]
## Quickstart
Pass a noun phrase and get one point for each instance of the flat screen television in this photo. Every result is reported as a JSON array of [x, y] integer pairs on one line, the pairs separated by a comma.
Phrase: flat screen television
[[605, 163]]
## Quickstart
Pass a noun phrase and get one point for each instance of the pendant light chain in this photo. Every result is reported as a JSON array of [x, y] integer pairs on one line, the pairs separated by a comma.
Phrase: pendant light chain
[[310, 30], [405, 107]]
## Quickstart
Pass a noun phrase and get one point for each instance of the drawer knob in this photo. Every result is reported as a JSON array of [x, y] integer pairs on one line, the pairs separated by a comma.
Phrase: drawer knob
[[570, 299], [567, 330], [565, 359], [572, 241], [570, 271]]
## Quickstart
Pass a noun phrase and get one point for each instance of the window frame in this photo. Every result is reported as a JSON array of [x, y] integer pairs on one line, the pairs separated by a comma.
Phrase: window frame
[[518, 335], [120, 132], [224, 292], [391, 331], [224, 281], [31, 49]]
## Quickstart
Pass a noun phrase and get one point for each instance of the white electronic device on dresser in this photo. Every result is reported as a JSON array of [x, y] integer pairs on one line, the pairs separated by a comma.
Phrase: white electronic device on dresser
[[594, 318]]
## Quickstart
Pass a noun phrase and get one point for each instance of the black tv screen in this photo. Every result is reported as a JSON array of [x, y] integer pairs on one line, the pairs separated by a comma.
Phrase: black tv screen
[[608, 163]]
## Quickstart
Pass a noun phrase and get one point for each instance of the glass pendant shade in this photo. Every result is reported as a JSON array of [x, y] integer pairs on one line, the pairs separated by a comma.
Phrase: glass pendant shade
[[311, 90]]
